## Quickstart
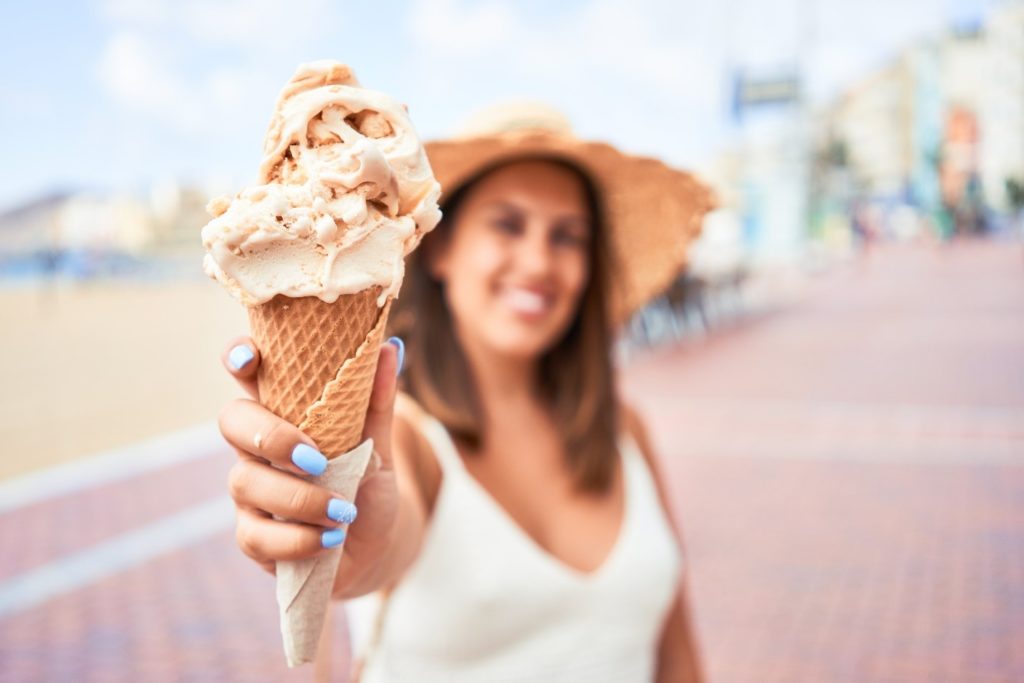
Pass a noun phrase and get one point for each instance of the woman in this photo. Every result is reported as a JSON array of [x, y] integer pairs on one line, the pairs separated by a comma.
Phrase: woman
[[518, 524]]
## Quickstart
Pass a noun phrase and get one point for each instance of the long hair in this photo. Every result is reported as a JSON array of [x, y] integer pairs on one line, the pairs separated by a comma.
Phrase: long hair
[[576, 378]]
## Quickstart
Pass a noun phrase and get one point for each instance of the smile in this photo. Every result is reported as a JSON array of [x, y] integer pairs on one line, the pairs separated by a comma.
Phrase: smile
[[526, 302]]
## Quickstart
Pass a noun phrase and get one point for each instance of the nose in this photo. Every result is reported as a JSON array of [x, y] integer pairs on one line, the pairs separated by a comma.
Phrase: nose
[[535, 257]]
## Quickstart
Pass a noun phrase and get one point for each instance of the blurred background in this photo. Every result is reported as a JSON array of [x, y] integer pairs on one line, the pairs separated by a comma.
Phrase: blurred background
[[835, 382]]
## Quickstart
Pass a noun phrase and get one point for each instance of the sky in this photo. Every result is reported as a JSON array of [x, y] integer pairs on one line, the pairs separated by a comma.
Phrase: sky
[[119, 95]]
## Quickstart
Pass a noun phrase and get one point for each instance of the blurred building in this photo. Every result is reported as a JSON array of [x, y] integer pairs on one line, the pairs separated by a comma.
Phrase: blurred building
[[873, 123], [116, 223], [76, 221], [32, 226], [179, 214], [763, 180], [87, 235], [935, 134], [1001, 111], [169, 220]]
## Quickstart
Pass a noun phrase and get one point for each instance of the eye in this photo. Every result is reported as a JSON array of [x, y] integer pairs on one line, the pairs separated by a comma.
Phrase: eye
[[509, 225], [569, 237]]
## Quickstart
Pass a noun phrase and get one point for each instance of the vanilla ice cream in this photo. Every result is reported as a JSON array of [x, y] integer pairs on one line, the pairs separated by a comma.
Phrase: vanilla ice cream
[[345, 193]]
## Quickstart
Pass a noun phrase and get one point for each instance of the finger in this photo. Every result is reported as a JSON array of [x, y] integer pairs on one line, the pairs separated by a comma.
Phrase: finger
[[381, 409], [264, 539], [253, 429], [242, 358], [253, 483]]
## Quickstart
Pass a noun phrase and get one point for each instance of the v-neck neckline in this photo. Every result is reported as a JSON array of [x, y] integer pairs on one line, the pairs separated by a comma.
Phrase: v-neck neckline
[[557, 563]]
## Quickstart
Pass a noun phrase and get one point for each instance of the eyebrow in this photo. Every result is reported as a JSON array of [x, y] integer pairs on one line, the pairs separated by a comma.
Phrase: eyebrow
[[564, 218], [502, 204]]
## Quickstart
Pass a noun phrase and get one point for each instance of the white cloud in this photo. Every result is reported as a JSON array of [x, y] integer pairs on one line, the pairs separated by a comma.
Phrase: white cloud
[[651, 75], [267, 25], [445, 28], [599, 39], [637, 73], [151, 12], [157, 60], [649, 47], [138, 78]]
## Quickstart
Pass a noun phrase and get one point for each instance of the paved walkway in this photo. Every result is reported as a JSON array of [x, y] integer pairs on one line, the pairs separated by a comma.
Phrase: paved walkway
[[849, 472]]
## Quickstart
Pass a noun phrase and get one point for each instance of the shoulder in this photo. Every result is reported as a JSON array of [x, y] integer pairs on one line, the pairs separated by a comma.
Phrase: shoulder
[[633, 424], [412, 449]]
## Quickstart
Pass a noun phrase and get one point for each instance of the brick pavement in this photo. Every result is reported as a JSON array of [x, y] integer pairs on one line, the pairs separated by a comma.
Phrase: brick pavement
[[849, 472], [50, 529], [204, 613]]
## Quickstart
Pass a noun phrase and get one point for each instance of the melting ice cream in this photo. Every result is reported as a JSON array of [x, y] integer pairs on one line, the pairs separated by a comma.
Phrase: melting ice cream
[[345, 193]]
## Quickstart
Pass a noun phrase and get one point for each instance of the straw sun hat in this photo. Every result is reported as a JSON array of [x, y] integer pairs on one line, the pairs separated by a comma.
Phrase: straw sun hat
[[653, 212]]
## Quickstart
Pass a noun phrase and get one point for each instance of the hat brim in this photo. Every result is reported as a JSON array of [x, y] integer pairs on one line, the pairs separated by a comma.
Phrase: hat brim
[[654, 212]]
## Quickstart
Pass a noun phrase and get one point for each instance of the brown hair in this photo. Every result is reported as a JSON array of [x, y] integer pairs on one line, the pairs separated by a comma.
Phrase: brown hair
[[575, 374]]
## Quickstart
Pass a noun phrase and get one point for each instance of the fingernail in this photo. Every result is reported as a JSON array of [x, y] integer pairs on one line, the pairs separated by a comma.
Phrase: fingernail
[[400, 345], [309, 459], [332, 538], [341, 511], [240, 356]]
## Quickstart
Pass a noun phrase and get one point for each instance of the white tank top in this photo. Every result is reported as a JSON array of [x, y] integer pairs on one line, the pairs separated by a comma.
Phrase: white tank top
[[484, 603]]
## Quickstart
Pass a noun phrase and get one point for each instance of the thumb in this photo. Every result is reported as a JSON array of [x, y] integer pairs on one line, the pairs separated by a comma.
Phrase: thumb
[[381, 410]]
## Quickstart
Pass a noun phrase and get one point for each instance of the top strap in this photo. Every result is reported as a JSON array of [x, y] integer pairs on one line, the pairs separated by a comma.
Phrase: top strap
[[433, 431]]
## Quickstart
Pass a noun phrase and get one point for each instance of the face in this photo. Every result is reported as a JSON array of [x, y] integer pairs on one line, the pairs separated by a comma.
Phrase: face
[[515, 264]]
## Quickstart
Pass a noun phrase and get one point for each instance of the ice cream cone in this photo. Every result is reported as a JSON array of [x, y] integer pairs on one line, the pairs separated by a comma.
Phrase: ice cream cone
[[304, 586], [317, 368], [315, 251], [305, 344]]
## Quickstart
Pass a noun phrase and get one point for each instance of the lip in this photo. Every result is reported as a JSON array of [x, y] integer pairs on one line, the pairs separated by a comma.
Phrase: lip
[[530, 303]]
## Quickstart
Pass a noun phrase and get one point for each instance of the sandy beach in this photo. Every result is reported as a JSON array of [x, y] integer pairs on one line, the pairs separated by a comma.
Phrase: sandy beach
[[89, 367]]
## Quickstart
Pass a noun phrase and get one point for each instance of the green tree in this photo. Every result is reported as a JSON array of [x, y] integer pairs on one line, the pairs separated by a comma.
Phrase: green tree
[[1015, 194]]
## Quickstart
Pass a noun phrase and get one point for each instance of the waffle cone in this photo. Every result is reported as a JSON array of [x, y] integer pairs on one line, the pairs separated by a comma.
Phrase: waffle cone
[[317, 367], [317, 363]]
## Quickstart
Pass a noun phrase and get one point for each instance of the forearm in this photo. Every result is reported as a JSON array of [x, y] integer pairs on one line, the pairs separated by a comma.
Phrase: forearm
[[678, 653]]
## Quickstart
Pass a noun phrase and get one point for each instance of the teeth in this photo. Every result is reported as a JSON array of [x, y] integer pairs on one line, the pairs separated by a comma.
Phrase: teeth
[[525, 300]]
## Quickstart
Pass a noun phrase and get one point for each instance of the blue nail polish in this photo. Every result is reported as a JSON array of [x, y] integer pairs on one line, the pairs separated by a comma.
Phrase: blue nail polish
[[332, 538], [341, 511], [309, 459], [400, 345], [240, 356]]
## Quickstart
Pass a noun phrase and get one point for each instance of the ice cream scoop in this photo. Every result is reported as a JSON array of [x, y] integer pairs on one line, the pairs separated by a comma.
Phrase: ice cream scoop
[[345, 193]]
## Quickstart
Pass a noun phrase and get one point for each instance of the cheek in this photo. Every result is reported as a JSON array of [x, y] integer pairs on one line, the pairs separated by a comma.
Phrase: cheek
[[576, 274], [473, 264]]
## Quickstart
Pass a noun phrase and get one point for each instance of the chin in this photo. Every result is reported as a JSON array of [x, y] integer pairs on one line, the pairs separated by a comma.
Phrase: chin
[[523, 349], [525, 341]]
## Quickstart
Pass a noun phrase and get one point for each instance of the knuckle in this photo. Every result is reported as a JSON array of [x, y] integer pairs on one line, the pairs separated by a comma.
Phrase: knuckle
[[227, 415], [239, 480], [248, 540], [300, 500], [273, 434], [298, 545]]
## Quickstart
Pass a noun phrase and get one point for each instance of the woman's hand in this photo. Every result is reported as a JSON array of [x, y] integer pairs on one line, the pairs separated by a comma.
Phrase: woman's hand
[[283, 517]]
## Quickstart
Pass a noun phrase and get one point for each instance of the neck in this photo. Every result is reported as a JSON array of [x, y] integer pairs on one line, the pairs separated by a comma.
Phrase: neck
[[502, 381]]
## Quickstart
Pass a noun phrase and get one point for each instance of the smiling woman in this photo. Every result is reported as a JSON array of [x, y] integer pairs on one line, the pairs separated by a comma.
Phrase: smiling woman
[[517, 528], [540, 542], [525, 243]]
